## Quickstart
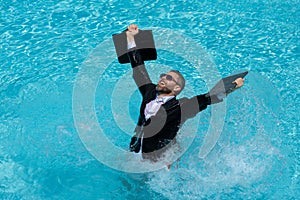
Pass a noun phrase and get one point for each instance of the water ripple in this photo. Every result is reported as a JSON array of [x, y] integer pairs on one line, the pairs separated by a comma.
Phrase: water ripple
[[42, 45]]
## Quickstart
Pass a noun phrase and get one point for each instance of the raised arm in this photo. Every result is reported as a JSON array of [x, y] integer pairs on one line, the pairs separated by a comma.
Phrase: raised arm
[[140, 74]]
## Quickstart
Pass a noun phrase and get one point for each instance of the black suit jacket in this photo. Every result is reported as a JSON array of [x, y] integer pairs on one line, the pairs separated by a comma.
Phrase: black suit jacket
[[161, 129]]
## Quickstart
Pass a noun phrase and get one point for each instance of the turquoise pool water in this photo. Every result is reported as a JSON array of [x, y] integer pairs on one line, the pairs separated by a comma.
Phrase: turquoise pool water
[[44, 47]]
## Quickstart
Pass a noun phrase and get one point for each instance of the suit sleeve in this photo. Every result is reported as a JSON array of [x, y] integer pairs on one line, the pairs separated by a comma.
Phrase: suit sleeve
[[140, 74], [191, 107]]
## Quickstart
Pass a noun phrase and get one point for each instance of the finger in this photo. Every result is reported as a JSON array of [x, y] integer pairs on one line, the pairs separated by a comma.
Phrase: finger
[[238, 80], [241, 81], [130, 27], [133, 27]]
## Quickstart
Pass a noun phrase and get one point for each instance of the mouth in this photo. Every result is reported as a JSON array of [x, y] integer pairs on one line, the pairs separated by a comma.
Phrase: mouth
[[162, 83]]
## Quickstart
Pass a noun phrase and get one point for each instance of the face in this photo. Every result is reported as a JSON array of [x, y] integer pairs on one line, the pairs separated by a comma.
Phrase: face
[[167, 84]]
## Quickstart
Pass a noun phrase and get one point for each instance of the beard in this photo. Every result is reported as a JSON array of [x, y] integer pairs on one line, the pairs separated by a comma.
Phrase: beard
[[163, 90]]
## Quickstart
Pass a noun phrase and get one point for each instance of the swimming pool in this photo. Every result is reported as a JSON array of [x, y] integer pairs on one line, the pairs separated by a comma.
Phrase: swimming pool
[[44, 47]]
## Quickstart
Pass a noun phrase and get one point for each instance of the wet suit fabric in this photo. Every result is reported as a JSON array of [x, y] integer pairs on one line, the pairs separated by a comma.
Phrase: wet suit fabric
[[159, 130]]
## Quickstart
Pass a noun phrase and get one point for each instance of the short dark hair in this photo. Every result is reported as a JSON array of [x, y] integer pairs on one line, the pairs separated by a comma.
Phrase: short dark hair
[[181, 80]]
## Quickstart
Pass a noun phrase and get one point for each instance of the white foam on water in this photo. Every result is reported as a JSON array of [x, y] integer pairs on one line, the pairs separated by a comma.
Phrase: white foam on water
[[246, 161], [238, 166]]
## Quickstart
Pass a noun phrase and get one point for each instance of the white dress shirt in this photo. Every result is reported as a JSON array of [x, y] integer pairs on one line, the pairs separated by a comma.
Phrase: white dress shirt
[[153, 106]]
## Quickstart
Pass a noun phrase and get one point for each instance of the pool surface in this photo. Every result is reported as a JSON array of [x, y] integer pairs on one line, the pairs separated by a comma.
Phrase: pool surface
[[55, 54]]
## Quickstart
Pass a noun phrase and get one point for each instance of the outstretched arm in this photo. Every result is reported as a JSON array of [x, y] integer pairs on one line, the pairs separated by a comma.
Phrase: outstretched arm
[[140, 74], [191, 107]]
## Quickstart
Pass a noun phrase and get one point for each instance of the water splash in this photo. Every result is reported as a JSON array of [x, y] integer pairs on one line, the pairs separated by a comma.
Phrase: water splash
[[247, 161]]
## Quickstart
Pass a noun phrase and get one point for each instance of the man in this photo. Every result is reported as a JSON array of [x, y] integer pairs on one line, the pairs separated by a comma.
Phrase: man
[[161, 114]]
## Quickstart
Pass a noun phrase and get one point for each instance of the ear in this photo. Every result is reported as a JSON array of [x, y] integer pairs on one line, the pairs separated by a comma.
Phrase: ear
[[177, 89]]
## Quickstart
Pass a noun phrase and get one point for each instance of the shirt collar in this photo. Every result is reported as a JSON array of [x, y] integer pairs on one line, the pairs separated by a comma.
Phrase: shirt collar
[[164, 99]]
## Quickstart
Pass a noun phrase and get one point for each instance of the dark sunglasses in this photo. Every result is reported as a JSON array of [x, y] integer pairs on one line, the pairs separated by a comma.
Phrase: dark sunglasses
[[169, 78]]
